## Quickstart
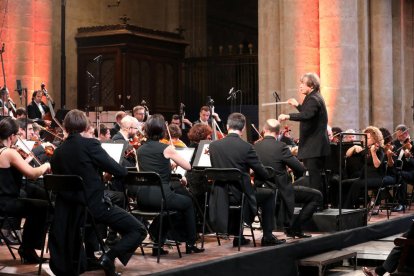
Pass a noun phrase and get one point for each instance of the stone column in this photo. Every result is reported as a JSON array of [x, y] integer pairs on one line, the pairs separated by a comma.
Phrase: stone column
[[339, 61], [288, 51], [269, 56], [364, 81], [28, 45], [381, 63]]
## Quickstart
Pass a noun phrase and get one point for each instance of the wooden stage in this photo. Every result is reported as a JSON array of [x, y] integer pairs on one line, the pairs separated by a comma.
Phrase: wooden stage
[[215, 255]]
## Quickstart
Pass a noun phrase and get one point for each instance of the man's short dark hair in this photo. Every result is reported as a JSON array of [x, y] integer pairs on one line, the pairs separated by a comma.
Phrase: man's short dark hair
[[21, 111], [75, 121], [236, 121], [23, 122], [205, 108], [175, 117]]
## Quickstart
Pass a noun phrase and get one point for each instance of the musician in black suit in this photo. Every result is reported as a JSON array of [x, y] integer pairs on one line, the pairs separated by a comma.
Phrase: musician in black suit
[[85, 157], [313, 137], [277, 155], [37, 109], [233, 152], [117, 125]]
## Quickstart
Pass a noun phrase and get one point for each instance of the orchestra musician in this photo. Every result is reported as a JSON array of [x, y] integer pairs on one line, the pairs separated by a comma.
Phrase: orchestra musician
[[86, 158], [277, 155], [205, 116], [104, 133], [156, 156], [313, 137], [12, 167], [180, 121], [117, 125], [139, 114], [175, 132], [404, 151], [37, 109], [233, 152], [21, 113], [375, 167]]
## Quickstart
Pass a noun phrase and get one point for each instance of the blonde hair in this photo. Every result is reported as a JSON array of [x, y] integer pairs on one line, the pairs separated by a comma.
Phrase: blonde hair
[[375, 134]]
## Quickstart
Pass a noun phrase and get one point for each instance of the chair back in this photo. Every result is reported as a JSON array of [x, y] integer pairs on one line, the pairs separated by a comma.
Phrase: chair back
[[225, 175], [144, 179], [70, 185], [63, 183]]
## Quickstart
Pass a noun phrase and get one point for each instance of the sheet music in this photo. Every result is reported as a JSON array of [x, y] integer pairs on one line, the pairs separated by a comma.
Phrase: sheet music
[[25, 145], [187, 154], [114, 150], [205, 157]]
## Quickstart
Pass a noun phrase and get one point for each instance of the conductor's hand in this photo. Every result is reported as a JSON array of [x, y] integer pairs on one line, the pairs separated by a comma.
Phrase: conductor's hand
[[293, 102], [283, 117]]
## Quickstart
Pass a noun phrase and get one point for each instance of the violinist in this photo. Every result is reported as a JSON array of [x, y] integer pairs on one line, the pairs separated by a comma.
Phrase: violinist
[[285, 137], [85, 157], [175, 132], [128, 131], [375, 168], [12, 167], [104, 133], [403, 149]]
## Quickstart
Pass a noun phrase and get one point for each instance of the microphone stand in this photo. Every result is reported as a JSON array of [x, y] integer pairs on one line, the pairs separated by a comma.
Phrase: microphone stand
[[4, 89]]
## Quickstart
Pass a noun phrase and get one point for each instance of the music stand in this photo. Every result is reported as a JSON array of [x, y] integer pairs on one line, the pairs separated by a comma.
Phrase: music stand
[[187, 154], [60, 116], [114, 150], [202, 157]]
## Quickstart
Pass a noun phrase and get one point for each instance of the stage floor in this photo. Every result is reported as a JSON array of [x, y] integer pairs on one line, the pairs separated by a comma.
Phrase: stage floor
[[144, 265]]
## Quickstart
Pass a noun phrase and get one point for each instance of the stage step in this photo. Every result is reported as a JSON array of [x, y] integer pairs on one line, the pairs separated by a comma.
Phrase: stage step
[[373, 250], [322, 260]]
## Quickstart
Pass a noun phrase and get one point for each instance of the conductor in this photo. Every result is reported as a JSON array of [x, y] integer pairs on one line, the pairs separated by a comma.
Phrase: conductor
[[313, 137]]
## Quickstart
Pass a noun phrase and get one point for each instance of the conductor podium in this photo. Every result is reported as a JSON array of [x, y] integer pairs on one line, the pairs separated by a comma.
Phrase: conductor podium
[[329, 220]]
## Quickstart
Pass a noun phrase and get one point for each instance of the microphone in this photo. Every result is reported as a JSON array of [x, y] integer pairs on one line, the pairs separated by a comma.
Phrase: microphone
[[231, 90], [19, 89], [98, 58], [90, 75]]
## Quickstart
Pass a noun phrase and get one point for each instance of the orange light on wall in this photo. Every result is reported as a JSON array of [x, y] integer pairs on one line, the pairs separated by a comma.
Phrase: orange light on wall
[[27, 35]]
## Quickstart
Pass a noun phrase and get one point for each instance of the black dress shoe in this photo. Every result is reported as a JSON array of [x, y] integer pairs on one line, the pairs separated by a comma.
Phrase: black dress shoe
[[272, 241], [108, 266], [192, 249], [162, 252], [243, 241], [299, 234]]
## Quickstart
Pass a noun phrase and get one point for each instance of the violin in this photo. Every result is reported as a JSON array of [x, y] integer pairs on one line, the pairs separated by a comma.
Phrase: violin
[[22, 153]]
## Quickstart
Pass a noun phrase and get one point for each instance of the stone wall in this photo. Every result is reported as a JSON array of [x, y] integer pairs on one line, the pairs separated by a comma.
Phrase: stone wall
[[363, 53]]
